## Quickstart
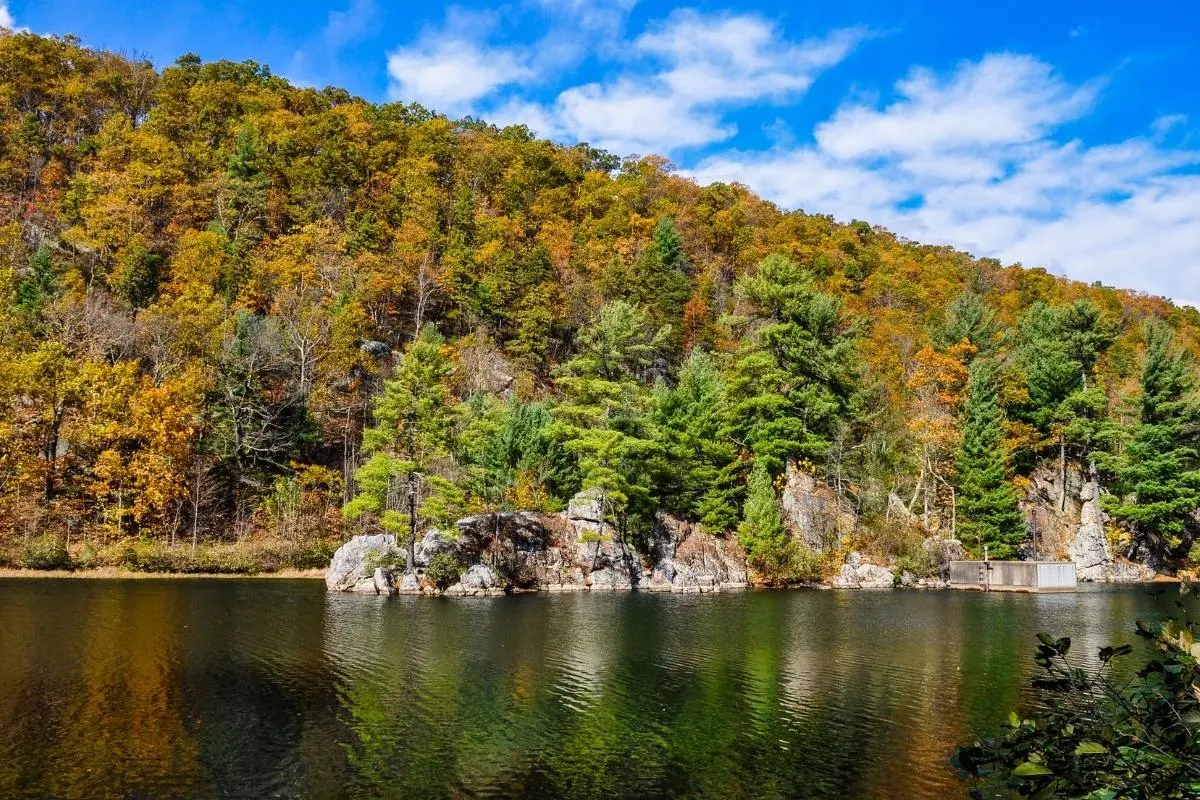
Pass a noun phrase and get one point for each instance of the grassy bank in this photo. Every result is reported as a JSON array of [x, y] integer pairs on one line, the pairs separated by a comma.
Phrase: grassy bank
[[51, 555], [109, 573]]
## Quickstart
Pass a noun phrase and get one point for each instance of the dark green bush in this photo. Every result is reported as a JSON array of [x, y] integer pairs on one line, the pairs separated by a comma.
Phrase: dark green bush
[[917, 560], [444, 570], [313, 555], [45, 552], [1098, 736]]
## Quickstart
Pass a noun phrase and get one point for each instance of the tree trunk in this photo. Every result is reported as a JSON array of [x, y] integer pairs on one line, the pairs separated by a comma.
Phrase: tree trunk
[[1062, 458], [411, 558]]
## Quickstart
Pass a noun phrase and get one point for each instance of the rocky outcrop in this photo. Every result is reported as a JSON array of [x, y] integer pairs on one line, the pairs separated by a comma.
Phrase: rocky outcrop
[[574, 551], [812, 513], [858, 574], [353, 566], [690, 560], [477, 580], [943, 551], [1066, 521]]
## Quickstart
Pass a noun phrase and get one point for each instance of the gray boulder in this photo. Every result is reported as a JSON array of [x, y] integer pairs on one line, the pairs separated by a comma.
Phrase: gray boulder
[[432, 543], [477, 580], [587, 506], [811, 511], [608, 580], [375, 349], [384, 582], [409, 584], [352, 566], [858, 574]]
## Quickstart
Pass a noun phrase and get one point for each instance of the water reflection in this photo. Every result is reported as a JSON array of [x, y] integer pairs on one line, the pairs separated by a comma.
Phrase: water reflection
[[272, 688]]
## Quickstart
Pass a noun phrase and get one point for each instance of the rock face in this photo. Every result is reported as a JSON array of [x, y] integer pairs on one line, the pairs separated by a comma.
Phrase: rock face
[[587, 506], [858, 574], [811, 511], [352, 567], [477, 580], [1066, 521]]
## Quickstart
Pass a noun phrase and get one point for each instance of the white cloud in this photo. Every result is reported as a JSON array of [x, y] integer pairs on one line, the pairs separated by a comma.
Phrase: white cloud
[[972, 160], [449, 75], [7, 20], [688, 73], [1001, 100]]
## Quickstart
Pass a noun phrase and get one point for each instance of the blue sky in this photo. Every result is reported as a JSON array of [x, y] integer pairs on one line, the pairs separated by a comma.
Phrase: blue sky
[[1056, 134]]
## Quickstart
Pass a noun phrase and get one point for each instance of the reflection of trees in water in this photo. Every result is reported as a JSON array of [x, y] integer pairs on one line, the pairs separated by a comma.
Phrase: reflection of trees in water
[[165, 689], [248, 689]]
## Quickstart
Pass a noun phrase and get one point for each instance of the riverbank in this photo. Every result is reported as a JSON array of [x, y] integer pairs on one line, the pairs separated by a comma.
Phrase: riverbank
[[111, 573], [253, 557]]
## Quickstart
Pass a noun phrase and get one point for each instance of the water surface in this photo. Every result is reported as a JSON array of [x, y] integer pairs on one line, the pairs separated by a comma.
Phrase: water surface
[[272, 688]]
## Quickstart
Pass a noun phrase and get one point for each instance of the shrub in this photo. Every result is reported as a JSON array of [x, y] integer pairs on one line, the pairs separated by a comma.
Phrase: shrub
[[919, 561], [444, 570], [45, 552], [313, 555], [790, 562], [1096, 736]]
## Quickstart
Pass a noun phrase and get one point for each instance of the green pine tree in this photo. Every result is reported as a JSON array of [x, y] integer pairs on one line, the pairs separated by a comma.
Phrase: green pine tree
[[794, 380], [661, 280], [39, 286], [761, 533], [987, 501], [401, 483], [968, 319], [602, 418], [1156, 491], [691, 480]]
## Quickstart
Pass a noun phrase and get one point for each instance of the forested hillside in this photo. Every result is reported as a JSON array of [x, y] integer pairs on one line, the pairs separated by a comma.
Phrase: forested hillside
[[237, 310]]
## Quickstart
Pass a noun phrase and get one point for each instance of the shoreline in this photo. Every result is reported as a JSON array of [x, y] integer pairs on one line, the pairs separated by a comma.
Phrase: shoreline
[[115, 573]]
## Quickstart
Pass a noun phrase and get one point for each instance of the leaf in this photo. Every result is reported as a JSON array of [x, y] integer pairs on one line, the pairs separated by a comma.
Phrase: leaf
[[1046, 639], [1090, 749], [1030, 770], [1013, 719]]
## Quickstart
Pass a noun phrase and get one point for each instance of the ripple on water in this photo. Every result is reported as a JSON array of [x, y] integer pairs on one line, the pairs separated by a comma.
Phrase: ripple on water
[[275, 689]]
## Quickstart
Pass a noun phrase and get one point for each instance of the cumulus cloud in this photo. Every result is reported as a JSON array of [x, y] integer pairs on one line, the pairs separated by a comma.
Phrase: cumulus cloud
[[7, 20], [451, 74], [689, 72], [972, 159]]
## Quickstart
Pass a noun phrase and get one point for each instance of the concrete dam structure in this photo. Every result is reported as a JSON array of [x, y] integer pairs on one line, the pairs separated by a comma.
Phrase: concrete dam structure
[[1013, 576]]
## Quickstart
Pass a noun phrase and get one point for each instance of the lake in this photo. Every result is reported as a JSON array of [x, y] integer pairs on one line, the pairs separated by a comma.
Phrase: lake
[[196, 688]]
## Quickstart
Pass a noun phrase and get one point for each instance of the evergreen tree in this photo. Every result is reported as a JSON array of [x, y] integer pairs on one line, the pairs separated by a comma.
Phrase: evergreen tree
[[504, 450], [662, 282], [40, 285], [1057, 350], [794, 379], [602, 419], [691, 479], [761, 533], [401, 482], [987, 501], [968, 319], [1157, 479]]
